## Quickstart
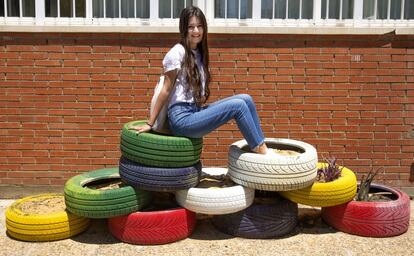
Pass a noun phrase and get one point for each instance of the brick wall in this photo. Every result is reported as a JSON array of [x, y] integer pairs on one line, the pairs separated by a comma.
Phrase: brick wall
[[64, 98]]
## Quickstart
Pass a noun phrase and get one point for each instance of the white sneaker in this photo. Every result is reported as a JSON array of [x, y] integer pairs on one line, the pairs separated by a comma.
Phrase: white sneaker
[[270, 152]]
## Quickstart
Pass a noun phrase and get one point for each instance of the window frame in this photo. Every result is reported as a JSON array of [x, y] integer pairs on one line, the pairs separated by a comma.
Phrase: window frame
[[256, 24]]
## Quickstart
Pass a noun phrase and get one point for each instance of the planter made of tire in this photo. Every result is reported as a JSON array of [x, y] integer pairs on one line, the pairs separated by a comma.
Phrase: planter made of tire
[[372, 219], [273, 172], [215, 197], [153, 149], [324, 194], [157, 178], [115, 200], [265, 218], [43, 218], [153, 226]]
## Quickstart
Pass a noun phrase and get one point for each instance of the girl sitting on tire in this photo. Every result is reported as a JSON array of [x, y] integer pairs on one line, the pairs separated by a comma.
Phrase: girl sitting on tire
[[186, 90]]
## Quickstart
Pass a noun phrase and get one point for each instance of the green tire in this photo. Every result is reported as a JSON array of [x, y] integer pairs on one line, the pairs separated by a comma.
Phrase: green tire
[[95, 203], [158, 150]]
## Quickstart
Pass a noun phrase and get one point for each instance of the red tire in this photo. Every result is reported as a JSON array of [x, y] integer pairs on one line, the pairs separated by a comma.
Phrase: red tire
[[372, 219], [157, 227]]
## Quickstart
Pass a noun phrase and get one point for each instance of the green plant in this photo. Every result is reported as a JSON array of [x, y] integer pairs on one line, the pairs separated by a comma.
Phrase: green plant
[[365, 185], [329, 172]]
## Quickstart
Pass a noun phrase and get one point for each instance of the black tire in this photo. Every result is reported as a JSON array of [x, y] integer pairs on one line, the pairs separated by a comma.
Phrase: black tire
[[158, 150], [95, 203], [159, 179], [265, 218]]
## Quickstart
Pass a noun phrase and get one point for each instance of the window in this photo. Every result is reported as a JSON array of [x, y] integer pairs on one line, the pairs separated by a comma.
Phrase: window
[[292, 9], [65, 8], [245, 16], [388, 9], [13, 8], [337, 9], [121, 8], [233, 9], [172, 8]]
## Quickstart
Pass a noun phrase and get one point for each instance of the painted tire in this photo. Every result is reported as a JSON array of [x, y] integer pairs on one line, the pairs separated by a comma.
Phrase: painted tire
[[220, 200], [95, 203], [271, 219], [322, 194], [32, 225], [158, 150], [153, 227], [158, 179], [372, 219], [273, 173]]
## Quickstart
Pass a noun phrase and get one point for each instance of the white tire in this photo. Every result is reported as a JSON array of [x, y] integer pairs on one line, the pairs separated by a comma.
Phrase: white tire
[[215, 200], [273, 172]]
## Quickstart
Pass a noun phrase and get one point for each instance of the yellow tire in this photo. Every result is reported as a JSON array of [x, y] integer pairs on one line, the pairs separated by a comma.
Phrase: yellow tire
[[33, 219], [325, 194]]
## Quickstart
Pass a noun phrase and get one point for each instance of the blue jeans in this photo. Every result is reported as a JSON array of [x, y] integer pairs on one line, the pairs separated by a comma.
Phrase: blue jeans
[[186, 119]]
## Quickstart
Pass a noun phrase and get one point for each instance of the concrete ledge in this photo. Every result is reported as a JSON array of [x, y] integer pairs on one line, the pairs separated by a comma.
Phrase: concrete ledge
[[19, 191], [218, 29]]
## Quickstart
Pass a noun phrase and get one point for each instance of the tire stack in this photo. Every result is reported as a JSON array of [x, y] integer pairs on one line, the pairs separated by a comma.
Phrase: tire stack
[[160, 185], [161, 164], [270, 215]]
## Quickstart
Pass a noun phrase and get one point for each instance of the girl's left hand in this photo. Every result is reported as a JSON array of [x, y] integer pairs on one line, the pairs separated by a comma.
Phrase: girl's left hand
[[141, 128]]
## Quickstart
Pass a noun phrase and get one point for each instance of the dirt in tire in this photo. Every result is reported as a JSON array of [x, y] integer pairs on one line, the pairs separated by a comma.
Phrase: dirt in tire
[[43, 206]]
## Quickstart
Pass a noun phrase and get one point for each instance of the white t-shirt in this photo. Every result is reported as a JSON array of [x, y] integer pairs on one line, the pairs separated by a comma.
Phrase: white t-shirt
[[173, 60]]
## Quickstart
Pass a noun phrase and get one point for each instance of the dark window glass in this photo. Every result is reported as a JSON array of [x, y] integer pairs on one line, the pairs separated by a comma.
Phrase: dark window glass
[[51, 8], [66, 8], [266, 9], [348, 9], [280, 9], [28, 8], [80, 6], [395, 12], [1, 8], [219, 8], [323, 9], [112, 8], [143, 8], [246, 9], [409, 10], [334, 6], [232, 9], [13, 8], [368, 9], [164, 8], [293, 9], [382, 9], [127, 9], [307, 9], [97, 6]]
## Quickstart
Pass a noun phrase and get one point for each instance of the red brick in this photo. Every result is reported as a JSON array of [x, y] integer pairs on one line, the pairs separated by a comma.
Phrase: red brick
[[71, 102]]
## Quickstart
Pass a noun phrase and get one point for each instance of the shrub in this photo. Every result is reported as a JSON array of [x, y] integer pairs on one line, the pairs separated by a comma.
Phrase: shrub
[[365, 185], [329, 172]]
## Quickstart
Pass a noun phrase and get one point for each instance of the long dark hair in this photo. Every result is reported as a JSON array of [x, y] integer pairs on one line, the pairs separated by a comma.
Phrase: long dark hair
[[189, 67]]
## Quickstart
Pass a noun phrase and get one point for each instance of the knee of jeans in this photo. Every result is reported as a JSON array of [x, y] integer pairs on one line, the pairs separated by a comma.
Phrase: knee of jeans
[[237, 104], [246, 97]]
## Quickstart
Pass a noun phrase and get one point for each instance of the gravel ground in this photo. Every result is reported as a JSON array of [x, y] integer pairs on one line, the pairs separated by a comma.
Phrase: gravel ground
[[311, 237]]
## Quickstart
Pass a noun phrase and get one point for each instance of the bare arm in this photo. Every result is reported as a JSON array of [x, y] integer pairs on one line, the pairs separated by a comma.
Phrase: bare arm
[[169, 80]]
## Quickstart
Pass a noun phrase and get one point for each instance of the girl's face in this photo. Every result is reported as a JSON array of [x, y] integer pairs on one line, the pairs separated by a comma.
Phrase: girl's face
[[195, 31]]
